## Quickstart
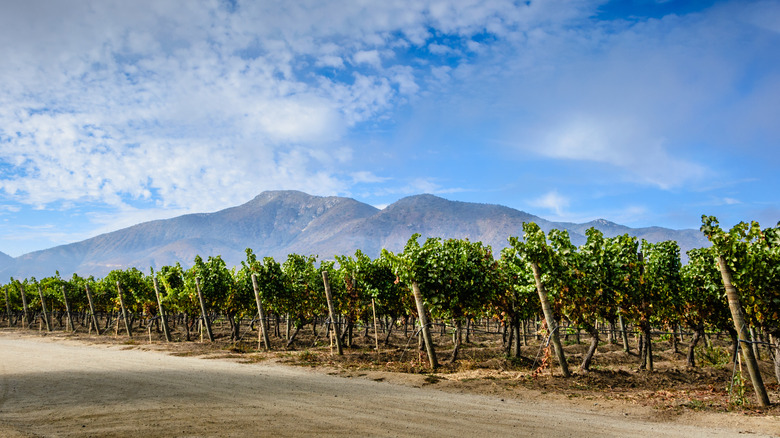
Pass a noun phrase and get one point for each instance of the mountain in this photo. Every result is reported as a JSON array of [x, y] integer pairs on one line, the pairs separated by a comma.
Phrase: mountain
[[432, 216], [5, 260], [278, 223]]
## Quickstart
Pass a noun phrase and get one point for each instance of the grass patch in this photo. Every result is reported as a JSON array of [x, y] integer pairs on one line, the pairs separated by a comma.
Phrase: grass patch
[[713, 356]]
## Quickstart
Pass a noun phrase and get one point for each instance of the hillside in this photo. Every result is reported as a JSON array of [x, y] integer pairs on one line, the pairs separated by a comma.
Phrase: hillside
[[5, 261], [277, 223]]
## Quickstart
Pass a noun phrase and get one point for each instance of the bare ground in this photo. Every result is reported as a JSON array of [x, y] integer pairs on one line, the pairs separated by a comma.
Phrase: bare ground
[[82, 386]]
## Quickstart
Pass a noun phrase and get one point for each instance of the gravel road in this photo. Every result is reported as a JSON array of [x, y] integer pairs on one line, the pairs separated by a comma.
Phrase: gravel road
[[72, 389]]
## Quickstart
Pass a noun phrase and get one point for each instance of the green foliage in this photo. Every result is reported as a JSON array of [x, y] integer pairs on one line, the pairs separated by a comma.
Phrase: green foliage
[[662, 281], [738, 390], [302, 299], [517, 294], [713, 356], [460, 279], [350, 287], [456, 277], [216, 284], [554, 261], [173, 291], [589, 296], [702, 292], [272, 284], [137, 291], [752, 256], [52, 292], [392, 297]]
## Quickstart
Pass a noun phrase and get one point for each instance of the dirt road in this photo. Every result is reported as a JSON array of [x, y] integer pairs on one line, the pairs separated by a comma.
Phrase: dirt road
[[60, 388]]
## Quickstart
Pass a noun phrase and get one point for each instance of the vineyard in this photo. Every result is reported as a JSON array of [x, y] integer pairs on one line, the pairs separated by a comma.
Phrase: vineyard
[[524, 305]]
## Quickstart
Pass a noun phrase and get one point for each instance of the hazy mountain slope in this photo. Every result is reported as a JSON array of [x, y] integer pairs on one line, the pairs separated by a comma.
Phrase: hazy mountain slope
[[5, 261], [281, 222], [432, 216], [268, 224]]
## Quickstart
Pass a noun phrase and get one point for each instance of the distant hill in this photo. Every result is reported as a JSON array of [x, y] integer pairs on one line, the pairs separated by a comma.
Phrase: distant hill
[[5, 261], [277, 223]]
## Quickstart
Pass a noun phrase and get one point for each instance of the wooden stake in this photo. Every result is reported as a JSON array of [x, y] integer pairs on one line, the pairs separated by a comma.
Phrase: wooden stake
[[426, 332], [43, 309], [92, 310], [162, 311], [740, 325], [552, 326], [262, 335], [376, 336], [332, 312], [124, 311], [67, 309], [330, 335], [7, 306], [26, 320], [203, 315]]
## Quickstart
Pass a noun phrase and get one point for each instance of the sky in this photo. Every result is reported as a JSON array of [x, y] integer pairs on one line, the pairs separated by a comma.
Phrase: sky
[[639, 112]]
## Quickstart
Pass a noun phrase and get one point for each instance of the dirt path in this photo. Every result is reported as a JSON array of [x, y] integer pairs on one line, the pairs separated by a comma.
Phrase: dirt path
[[69, 389]]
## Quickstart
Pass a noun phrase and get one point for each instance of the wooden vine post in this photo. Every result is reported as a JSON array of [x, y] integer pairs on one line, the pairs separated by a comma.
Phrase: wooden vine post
[[124, 310], [740, 325], [376, 335], [723, 242], [92, 310], [623, 332], [43, 309], [67, 309], [263, 334], [7, 306], [550, 318], [332, 312], [26, 316], [162, 310], [646, 353], [203, 315], [418, 300]]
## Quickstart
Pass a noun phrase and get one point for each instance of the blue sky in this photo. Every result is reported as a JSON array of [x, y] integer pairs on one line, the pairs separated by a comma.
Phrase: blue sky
[[641, 112]]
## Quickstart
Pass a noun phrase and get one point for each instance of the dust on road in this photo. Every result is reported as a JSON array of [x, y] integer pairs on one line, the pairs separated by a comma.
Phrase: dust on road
[[71, 389]]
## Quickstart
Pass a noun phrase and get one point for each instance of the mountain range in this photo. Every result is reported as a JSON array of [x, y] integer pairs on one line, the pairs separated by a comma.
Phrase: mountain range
[[277, 223]]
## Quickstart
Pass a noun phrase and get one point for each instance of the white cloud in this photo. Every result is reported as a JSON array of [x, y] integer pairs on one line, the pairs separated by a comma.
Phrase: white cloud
[[370, 57], [10, 208], [367, 177], [196, 107], [112, 102], [109, 105], [622, 142], [440, 49], [403, 76], [764, 14], [719, 201], [417, 186], [330, 61], [629, 215], [645, 97], [632, 215], [553, 202]]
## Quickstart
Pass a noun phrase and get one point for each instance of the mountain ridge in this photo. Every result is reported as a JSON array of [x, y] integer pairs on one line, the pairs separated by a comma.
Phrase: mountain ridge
[[277, 223]]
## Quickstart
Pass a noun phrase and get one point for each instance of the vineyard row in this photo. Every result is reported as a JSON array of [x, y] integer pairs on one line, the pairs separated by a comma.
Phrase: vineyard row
[[732, 287]]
